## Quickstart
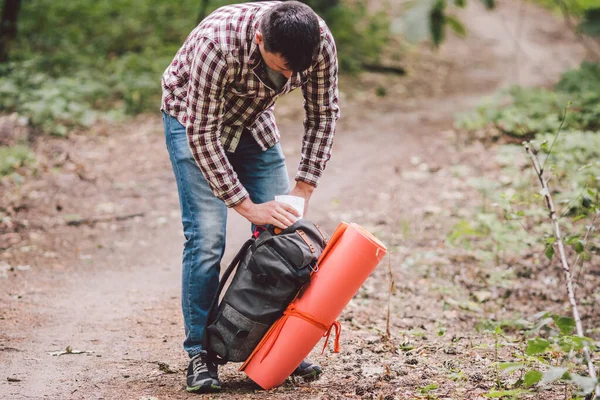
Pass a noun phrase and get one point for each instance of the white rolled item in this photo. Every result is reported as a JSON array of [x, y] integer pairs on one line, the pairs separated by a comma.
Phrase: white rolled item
[[294, 201]]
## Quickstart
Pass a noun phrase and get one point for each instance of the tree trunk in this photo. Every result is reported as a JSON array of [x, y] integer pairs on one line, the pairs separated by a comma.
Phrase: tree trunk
[[384, 69], [8, 26], [203, 10], [322, 6]]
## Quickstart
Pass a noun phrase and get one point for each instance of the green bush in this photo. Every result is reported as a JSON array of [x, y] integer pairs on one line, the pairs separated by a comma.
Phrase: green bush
[[79, 60], [571, 159], [14, 157], [526, 112], [575, 166], [587, 12], [585, 79], [360, 36]]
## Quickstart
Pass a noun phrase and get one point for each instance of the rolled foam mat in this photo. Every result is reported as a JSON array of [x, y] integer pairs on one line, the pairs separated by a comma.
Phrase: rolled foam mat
[[351, 255]]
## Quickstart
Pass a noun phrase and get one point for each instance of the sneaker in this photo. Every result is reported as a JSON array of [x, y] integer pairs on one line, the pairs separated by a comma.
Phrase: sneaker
[[202, 375], [308, 371]]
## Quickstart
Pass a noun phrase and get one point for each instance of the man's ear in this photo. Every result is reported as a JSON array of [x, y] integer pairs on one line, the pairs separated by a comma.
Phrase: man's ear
[[258, 37]]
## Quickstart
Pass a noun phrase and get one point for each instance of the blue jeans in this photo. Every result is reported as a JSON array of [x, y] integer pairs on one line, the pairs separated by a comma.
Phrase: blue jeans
[[204, 217]]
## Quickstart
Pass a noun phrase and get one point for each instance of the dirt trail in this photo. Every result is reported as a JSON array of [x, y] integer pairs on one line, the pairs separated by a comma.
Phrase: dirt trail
[[111, 288]]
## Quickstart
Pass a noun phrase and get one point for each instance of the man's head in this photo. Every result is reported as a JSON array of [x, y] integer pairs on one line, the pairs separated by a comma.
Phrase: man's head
[[288, 37]]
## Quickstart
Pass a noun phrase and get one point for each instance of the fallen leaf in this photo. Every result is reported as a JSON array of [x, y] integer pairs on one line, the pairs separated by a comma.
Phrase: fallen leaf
[[69, 350], [10, 238], [4, 268], [160, 221], [106, 208], [470, 306], [432, 210], [415, 175], [482, 296], [72, 217], [164, 367]]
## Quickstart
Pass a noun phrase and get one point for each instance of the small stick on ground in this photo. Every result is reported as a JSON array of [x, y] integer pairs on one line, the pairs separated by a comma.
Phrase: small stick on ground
[[388, 334], [94, 220], [565, 265]]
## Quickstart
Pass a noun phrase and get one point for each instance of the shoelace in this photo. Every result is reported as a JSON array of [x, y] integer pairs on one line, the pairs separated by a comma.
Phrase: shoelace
[[200, 366]]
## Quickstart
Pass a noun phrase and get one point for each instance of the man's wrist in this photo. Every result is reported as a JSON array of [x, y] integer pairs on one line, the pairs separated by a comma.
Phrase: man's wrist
[[244, 207], [304, 187]]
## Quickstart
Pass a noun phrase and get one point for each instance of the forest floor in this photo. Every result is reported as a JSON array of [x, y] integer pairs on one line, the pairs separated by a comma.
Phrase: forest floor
[[92, 240]]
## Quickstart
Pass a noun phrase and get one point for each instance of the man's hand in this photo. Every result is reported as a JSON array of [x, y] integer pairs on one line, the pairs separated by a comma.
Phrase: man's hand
[[274, 213], [303, 189]]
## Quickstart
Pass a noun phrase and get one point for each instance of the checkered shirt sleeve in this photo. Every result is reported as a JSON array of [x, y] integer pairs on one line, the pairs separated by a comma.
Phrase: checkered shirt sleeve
[[322, 111], [209, 76]]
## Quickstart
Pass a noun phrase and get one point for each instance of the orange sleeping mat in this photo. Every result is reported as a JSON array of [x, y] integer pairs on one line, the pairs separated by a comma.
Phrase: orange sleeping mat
[[351, 255]]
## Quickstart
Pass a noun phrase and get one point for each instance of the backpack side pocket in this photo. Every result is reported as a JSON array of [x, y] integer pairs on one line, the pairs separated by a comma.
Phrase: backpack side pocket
[[234, 336]]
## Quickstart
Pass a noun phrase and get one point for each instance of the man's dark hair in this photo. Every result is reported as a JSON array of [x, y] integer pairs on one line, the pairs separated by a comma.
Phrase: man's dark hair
[[291, 29]]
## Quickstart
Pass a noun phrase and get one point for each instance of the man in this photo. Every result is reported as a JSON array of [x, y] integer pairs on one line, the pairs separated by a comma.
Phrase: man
[[218, 100]]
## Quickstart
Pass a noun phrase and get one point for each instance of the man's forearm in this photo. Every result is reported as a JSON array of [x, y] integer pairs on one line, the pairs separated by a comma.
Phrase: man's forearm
[[304, 188]]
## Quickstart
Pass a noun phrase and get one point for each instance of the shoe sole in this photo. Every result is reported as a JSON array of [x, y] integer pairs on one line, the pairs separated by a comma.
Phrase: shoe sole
[[311, 376], [203, 389]]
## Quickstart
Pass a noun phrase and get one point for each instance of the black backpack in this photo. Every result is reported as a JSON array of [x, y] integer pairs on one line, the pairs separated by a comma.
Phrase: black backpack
[[271, 270]]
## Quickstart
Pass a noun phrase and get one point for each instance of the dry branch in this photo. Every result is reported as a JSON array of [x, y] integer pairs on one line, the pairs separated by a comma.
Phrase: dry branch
[[94, 220], [580, 36], [384, 69], [565, 265], [388, 333]]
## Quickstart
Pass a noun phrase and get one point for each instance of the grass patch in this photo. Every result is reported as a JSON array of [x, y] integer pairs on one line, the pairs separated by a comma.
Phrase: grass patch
[[526, 112], [14, 157], [74, 62]]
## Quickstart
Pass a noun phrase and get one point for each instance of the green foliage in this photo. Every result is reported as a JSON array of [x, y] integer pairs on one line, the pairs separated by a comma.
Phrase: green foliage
[[532, 377], [536, 346], [79, 60], [591, 22], [437, 21], [537, 365], [565, 324], [570, 160], [575, 163], [575, 7], [489, 232], [511, 220], [549, 250], [498, 394], [526, 112], [552, 374], [588, 11], [533, 111], [360, 36], [53, 103], [585, 79], [429, 388], [431, 18], [14, 157]]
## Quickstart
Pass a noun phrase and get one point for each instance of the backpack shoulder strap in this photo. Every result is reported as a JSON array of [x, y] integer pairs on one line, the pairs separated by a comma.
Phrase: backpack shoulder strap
[[234, 263]]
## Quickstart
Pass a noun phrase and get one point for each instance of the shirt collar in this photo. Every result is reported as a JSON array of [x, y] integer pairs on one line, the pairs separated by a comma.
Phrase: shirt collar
[[254, 56]]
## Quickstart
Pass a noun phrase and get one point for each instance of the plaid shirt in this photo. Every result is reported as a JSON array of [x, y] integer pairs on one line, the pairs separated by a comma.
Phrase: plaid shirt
[[217, 86]]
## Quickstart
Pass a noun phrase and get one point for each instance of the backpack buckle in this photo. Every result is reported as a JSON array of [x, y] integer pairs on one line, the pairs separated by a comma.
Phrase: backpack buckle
[[306, 240], [257, 231]]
